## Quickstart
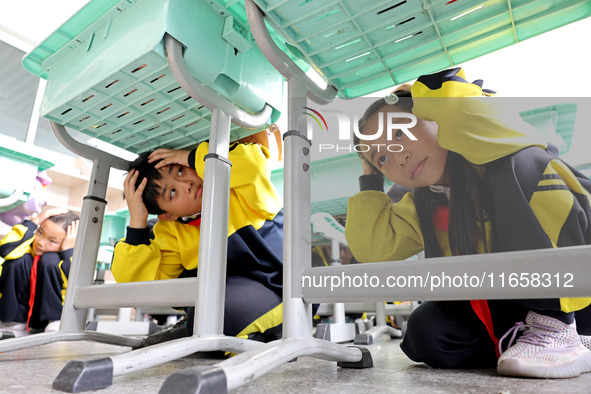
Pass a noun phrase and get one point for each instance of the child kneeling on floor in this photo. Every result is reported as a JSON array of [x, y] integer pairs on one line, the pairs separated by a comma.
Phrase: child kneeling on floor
[[33, 277], [169, 183], [481, 184]]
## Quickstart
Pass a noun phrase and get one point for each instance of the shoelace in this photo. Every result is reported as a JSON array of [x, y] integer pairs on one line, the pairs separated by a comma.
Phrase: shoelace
[[529, 336]]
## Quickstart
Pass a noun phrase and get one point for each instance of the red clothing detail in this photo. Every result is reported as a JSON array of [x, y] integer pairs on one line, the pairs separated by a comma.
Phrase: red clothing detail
[[33, 287], [440, 217], [195, 222], [482, 310]]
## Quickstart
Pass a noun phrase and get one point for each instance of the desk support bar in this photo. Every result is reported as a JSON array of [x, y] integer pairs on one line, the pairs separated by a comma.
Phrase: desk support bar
[[182, 292], [209, 297], [213, 242], [73, 319], [280, 60], [542, 273], [91, 223], [297, 315], [86, 151], [206, 96]]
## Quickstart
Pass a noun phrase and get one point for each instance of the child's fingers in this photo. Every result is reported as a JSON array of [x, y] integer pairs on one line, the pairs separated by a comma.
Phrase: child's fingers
[[142, 186], [164, 162], [131, 180], [168, 156], [71, 233], [165, 158], [73, 228], [368, 169], [159, 154], [131, 174]]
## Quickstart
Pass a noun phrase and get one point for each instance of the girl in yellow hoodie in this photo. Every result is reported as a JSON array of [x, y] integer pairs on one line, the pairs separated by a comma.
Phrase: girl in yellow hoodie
[[481, 183]]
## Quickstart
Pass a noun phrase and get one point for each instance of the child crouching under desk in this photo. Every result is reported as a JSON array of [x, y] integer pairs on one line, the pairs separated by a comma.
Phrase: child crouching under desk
[[169, 183], [480, 184], [34, 275]]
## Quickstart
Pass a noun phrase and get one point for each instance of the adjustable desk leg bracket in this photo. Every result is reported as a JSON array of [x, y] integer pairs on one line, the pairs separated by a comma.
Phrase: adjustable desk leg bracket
[[368, 337], [73, 320], [297, 315], [208, 328]]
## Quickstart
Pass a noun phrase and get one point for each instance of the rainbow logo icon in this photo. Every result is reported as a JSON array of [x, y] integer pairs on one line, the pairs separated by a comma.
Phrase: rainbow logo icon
[[316, 118]]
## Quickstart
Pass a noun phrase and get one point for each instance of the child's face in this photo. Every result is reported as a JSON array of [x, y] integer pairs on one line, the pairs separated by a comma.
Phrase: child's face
[[420, 163], [48, 238], [181, 191]]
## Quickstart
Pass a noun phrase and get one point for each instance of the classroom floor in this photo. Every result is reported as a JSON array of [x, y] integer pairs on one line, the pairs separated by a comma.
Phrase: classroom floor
[[33, 370]]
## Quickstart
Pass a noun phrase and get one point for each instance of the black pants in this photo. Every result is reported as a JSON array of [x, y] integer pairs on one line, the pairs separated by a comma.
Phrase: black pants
[[448, 334], [15, 283], [248, 301]]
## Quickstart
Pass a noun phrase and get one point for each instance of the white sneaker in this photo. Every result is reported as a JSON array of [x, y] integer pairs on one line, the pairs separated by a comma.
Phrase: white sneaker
[[548, 348], [18, 329], [53, 326], [586, 341]]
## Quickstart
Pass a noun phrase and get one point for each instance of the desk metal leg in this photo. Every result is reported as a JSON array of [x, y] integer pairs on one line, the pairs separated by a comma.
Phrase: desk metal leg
[[84, 375], [73, 319], [368, 337], [339, 331], [208, 335], [253, 364], [297, 315]]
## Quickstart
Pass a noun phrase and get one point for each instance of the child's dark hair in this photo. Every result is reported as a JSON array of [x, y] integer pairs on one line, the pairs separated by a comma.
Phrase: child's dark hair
[[468, 203], [469, 209], [64, 219], [152, 190]]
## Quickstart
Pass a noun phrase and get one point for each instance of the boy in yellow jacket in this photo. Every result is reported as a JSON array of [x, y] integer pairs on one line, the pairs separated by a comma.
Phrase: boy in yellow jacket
[[169, 183]]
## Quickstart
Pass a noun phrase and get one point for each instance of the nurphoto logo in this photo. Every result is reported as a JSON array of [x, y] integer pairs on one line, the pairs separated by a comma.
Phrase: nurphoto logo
[[316, 116], [389, 123]]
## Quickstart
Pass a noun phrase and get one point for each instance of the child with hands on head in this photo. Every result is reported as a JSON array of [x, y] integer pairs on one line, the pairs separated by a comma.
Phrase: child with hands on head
[[169, 183], [33, 277], [481, 182], [175, 190]]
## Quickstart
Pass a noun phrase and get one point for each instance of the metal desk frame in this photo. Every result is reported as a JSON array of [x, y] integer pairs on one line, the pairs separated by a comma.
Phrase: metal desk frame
[[297, 331]]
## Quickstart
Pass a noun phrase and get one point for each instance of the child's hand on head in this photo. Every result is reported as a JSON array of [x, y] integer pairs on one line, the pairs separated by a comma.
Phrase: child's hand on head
[[138, 213], [47, 214], [169, 156], [70, 239], [368, 169]]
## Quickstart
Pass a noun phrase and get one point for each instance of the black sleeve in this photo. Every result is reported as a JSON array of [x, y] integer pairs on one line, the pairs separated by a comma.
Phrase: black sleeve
[[371, 182], [191, 158], [138, 236]]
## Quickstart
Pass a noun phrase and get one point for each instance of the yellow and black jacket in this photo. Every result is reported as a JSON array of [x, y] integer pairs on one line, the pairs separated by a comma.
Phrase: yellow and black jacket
[[538, 200], [15, 278], [255, 231]]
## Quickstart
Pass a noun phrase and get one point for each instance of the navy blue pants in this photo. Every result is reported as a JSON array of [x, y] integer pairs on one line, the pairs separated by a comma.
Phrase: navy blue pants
[[15, 282], [246, 301]]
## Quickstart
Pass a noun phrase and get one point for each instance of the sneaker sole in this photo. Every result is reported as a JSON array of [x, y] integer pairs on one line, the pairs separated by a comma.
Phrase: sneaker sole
[[511, 367]]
